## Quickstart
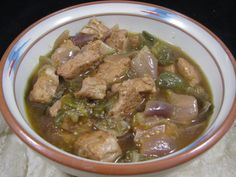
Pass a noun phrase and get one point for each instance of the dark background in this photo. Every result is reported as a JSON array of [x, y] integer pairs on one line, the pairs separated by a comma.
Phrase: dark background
[[217, 15]]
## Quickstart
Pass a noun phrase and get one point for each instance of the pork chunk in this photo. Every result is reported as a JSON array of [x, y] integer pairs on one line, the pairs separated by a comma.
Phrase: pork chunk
[[98, 145], [188, 71], [118, 39], [96, 28], [113, 69], [141, 85], [46, 85], [89, 56], [66, 51], [92, 87], [53, 110], [129, 96]]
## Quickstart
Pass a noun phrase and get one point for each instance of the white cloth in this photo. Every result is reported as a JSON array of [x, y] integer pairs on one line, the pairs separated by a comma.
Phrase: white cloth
[[17, 160]]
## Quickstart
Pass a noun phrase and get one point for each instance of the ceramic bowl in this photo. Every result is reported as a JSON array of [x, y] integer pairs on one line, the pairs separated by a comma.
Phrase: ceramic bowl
[[197, 41]]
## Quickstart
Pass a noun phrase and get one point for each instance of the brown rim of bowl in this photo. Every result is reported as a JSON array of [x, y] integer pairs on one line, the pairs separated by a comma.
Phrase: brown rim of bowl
[[121, 169]]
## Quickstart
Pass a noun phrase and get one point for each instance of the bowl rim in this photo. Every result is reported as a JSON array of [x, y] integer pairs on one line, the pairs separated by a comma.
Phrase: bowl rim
[[113, 169]]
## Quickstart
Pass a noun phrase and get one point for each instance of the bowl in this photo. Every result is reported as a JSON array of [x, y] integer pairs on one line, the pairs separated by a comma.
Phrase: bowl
[[197, 41]]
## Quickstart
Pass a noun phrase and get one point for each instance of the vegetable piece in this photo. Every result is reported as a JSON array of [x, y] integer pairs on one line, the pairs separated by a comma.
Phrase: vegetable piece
[[164, 53], [158, 108], [82, 39], [105, 49], [186, 107], [148, 39], [63, 36], [205, 111], [141, 121], [60, 90], [132, 156], [158, 139], [74, 84], [99, 110], [198, 92], [145, 63], [168, 80], [53, 110], [193, 130], [116, 127], [72, 109], [44, 60], [158, 146]]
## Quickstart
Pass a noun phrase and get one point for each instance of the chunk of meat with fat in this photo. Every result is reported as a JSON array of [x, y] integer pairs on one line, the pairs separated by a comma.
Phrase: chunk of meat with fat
[[92, 87], [141, 85], [188, 71], [113, 68], [118, 39], [46, 85], [64, 52], [96, 28], [129, 95], [89, 56], [98, 145], [53, 110]]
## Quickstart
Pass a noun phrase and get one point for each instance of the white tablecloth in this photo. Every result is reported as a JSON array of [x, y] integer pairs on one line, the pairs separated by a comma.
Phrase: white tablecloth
[[17, 160]]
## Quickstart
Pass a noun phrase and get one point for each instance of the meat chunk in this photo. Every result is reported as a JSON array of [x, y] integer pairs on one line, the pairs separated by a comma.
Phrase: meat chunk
[[92, 87], [66, 51], [141, 85], [169, 68], [96, 28], [129, 95], [46, 85], [113, 68], [118, 39], [188, 71], [98, 145], [89, 56], [53, 110]]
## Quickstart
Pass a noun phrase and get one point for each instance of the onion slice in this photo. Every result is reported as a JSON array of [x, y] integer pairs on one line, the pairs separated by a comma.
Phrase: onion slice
[[145, 63], [158, 108]]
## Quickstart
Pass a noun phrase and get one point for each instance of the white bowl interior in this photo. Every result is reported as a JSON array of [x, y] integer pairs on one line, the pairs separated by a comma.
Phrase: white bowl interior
[[192, 39]]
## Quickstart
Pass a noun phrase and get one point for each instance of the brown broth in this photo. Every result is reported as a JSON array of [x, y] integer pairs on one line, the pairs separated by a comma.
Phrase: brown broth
[[44, 125]]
